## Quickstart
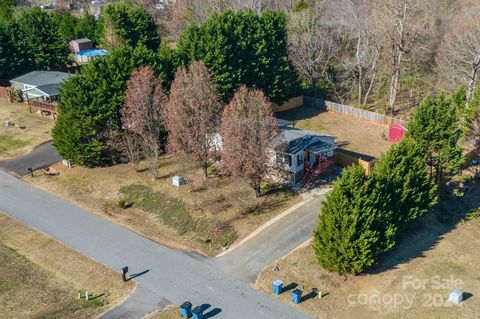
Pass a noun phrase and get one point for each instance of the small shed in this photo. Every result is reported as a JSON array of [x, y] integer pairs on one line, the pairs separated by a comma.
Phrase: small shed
[[78, 45], [396, 133]]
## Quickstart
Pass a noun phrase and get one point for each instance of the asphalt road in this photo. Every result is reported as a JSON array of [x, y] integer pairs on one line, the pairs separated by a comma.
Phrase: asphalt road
[[42, 156], [172, 277], [273, 242]]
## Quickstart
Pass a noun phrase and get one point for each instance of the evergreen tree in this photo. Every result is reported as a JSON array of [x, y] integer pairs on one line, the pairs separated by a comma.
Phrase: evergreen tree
[[347, 238], [7, 7], [66, 25], [437, 128], [243, 48], [91, 103], [401, 173], [45, 45], [131, 26], [88, 27], [13, 53]]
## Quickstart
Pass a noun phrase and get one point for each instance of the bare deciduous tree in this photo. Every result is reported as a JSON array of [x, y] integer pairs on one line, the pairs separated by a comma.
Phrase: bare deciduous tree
[[311, 44], [193, 115], [354, 17], [403, 23], [143, 113], [248, 130], [185, 12], [256, 5], [459, 57]]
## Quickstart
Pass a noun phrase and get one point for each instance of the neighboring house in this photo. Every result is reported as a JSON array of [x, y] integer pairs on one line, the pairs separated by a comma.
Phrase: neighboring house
[[40, 85], [305, 154]]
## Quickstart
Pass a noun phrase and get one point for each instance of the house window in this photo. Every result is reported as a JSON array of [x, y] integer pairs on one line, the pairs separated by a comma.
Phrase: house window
[[288, 160], [299, 159]]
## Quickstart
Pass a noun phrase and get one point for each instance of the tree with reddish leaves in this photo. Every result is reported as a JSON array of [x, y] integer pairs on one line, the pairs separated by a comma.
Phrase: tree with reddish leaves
[[143, 114], [249, 131], [193, 115]]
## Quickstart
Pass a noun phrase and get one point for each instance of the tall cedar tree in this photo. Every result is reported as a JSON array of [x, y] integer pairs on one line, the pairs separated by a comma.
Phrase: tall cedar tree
[[14, 59], [402, 174], [143, 113], [249, 131], [346, 239], [91, 102], [7, 8], [73, 27], [131, 26], [437, 127], [41, 35], [243, 48], [193, 115]]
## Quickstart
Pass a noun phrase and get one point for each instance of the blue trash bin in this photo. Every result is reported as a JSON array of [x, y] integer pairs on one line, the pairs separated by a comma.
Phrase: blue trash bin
[[296, 296], [197, 313], [186, 309], [277, 287]]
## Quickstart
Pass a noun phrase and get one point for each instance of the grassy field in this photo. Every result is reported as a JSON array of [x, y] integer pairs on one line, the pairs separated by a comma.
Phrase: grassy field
[[412, 281], [352, 134], [205, 216], [41, 277], [33, 130]]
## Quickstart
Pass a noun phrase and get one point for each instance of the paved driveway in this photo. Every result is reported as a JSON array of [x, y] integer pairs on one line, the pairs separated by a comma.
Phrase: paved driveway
[[172, 277], [273, 242], [41, 157]]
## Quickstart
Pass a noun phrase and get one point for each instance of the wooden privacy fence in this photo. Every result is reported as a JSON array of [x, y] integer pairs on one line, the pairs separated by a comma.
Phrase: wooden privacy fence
[[352, 111], [3, 91], [346, 158]]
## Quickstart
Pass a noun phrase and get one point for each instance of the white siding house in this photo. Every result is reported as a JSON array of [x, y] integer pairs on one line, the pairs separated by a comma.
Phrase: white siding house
[[297, 151]]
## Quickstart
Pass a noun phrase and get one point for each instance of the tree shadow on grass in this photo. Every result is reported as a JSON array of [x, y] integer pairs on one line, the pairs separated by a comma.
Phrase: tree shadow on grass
[[425, 233]]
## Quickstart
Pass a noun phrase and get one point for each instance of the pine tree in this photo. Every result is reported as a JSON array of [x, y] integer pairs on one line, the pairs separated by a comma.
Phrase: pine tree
[[348, 236]]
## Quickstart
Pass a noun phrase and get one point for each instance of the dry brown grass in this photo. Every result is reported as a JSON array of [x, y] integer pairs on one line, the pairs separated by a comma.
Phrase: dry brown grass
[[217, 205], [40, 277], [352, 134], [448, 254], [19, 141]]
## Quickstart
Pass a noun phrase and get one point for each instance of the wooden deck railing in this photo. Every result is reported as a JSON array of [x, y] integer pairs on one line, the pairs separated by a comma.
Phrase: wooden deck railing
[[47, 107]]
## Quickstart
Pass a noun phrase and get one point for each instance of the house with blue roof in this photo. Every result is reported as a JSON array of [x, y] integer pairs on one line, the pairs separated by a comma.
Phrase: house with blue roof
[[304, 154], [40, 85]]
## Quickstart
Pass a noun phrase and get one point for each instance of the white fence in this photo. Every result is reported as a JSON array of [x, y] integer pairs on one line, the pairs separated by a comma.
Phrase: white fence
[[352, 111]]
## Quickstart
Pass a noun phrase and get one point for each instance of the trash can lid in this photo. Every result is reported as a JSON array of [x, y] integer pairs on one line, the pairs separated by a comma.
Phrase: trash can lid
[[186, 304], [278, 282], [197, 309]]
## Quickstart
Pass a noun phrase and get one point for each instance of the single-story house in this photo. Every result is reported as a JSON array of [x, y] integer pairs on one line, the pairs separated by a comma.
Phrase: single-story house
[[40, 85], [304, 153]]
